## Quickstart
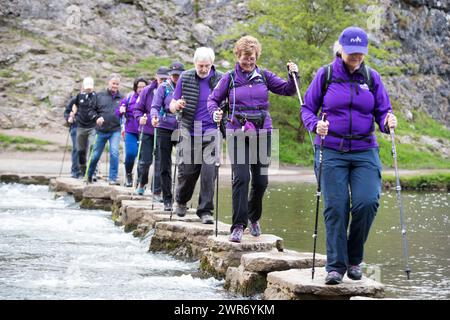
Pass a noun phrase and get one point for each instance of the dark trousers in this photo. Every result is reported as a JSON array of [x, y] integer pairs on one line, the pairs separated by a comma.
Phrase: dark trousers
[[250, 161], [75, 169], [146, 160], [165, 146], [351, 183], [192, 165]]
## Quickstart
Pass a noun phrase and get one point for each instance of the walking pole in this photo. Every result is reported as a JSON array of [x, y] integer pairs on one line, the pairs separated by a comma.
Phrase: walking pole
[[319, 176], [301, 104], [217, 175], [91, 147], [154, 167], [64, 154], [139, 153], [398, 188], [178, 117], [122, 132]]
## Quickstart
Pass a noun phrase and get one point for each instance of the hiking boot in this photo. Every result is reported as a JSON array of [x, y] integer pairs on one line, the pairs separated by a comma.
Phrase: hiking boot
[[354, 272], [94, 178], [207, 219], [89, 179], [157, 198], [114, 183], [236, 235], [140, 190], [129, 180], [168, 205], [333, 277], [181, 210], [255, 229]]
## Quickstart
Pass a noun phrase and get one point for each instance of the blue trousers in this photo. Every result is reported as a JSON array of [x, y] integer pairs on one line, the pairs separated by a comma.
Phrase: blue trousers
[[75, 169], [131, 150], [351, 184], [114, 142]]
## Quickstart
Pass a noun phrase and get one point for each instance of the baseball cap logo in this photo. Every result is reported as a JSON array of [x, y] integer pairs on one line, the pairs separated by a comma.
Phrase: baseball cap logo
[[357, 39]]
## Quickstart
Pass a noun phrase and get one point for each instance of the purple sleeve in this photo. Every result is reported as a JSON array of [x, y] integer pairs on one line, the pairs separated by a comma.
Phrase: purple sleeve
[[177, 93], [313, 101], [158, 101], [382, 102], [123, 102], [219, 94], [278, 85], [139, 108]]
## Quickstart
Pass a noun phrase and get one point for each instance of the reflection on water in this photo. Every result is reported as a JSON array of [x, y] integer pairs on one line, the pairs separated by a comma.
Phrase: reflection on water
[[51, 249], [289, 211]]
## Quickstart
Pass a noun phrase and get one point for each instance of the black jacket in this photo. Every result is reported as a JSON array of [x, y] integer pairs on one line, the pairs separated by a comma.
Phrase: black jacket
[[85, 103], [68, 110], [105, 107]]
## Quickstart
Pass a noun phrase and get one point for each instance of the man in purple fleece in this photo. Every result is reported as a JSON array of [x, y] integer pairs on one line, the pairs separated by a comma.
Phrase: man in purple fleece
[[248, 130], [142, 114], [165, 123], [126, 112], [353, 99], [198, 133]]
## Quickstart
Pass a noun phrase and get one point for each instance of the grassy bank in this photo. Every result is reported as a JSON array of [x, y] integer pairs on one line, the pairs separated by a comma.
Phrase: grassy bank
[[436, 181], [22, 143]]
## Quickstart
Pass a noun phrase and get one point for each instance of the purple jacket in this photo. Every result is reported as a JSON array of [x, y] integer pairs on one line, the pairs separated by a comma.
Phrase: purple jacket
[[201, 112], [131, 124], [144, 105], [160, 106], [350, 107], [251, 91]]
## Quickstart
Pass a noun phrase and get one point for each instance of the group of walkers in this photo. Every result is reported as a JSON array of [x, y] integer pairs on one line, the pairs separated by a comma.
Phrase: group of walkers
[[193, 110]]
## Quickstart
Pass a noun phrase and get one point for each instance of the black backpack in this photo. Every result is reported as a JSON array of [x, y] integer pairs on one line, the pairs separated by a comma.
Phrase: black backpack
[[328, 74]]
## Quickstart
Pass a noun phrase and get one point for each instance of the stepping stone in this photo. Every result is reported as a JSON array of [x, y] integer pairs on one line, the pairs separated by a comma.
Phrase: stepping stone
[[250, 277], [222, 254], [279, 261], [99, 190], [296, 284], [67, 184], [183, 239]]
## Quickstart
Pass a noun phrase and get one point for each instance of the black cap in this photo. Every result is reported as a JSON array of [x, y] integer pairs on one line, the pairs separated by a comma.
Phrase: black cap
[[176, 68], [163, 72]]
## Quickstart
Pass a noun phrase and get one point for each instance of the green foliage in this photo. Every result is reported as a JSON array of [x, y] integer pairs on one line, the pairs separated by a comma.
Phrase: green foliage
[[22, 143], [147, 66], [304, 31]]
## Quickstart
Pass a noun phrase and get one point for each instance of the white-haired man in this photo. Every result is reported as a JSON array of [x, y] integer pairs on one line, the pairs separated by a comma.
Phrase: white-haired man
[[197, 130]]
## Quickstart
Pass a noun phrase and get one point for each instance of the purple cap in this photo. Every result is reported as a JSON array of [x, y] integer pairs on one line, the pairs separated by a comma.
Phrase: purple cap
[[176, 68], [354, 40]]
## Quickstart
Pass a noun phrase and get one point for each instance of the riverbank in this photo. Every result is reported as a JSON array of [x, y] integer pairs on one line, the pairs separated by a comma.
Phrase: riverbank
[[49, 164]]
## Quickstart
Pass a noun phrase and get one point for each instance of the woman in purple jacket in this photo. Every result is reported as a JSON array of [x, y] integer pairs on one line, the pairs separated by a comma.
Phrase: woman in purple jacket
[[125, 112], [353, 97], [249, 130], [165, 123]]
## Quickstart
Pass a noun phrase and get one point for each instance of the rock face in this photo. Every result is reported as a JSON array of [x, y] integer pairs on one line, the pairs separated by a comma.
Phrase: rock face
[[48, 47], [423, 29]]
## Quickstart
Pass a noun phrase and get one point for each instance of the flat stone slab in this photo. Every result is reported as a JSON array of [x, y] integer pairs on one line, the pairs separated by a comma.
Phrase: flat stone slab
[[68, 185], [183, 239], [25, 178], [265, 242], [278, 261], [296, 284], [220, 253], [99, 190]]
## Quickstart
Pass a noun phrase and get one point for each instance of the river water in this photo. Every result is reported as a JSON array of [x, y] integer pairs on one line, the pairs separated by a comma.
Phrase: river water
[[51, 249]]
